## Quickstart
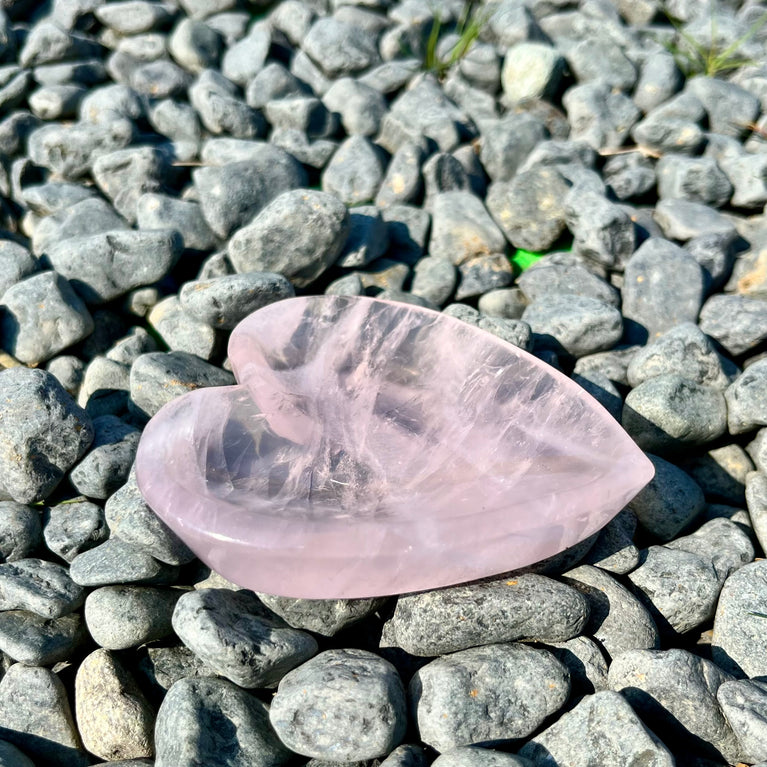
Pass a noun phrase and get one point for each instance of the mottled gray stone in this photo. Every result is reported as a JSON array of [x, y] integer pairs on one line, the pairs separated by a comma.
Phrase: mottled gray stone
[[739, 643], [42, 434], [115, 561], [299, 234], [721, 473], [158, 377], [603, 390], [486, 695], [271, 83], [37, 641], [723, 101], [196, 712], [683, 219], [339, 48], [443, 172], [526, 606], [515, 332], [549, 276], [181, 331], [479, 274], [668, 413], [600, 117], [71, 528], [313, 154], [504, 303], [356, 170], [669, 502], [507, 143], [612, 364], [368, 237], [41, 316], [238, 637], [659, 685], [747, 399], [114, 718], [244, 59], [402, 182], [341, 705], [16, 263], [585, 661], [698, 179], [737, 322], [161, 667], [408, 228], [306, 114], [105, 386], [194, 45], [68, 371], [630, 175], [360, 106], [614, 549], [474, 756], [35, 716], [103, 266], [231, 195], [602, 729], [659, 79], [744, 703], [221, 110], [20, 531], [160, 211]]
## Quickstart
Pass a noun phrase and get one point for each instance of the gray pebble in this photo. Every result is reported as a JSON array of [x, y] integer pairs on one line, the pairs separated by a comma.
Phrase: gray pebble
[[746, 399], [103, 266], [41, 316], [479, 274], [128, 349], [663, 287], [659, 79], [161, 667], [684, 350], [231, 195], [602, 389], [669, 502], [474, 756], [600, 117], [161, 79], [306, 114], [629, 175], [181, 331], [35, 716], [408, 229], [71, 528], [505, 145], [402, 182], [721, 473], [244, 59], [549, 276], [736, 322], [584, 660], [360, 106], [744, 703], [158, 377], [176, 121], [105, 387], [194, 45], [54, 102], [659, 685], [406, 755], [739, 643], [16, 263], [185, 733], [132, 17], [313, 154], [722, 101], [107, 463], [668, 413], [299, 234], [683, 219], [504, 303], [220, 109], [514, 332], [355, 171], [342, 705], [271, 83], [442, 172], [614, 549], [115, 561], [758, 450], [601, 729], [368, 237], [38, 641], [698, 179], [338, 48], [114, 718], [20, 531], [486, 695], [579, 325], [43, 433], [348, 285], [159, 211], [321, 616], [526, 606], [756, 503], [120, 617], [68, 370], [236, 635]]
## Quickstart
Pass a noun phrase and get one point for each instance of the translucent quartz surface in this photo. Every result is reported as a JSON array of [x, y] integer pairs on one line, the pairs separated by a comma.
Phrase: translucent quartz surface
[[378, 448]]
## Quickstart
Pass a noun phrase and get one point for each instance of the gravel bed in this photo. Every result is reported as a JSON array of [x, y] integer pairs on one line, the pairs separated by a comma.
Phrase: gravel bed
[[168, 167]]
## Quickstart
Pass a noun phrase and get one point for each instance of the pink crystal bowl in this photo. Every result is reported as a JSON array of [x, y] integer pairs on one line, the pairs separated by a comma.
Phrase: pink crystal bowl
[[376, 448]]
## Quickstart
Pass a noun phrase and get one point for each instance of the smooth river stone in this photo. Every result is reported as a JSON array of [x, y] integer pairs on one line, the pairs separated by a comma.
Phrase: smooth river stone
[[376, 448]]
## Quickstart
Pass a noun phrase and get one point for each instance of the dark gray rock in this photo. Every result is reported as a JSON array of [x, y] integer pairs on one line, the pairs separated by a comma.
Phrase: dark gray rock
[[20, 531], [443, 172], [313, 154], [474, 756], [668, 413], [35, 716], [721, 473], [231, 195], [181, 331], [614, 549], [736, 322], [16, 263], [549, 276], [479, 274], [746, 399], [600, 117], [306, 114], [107, 463], [104, 266], [462, 228], [73, 527], [684, 350], [161, 667], [120, 617], [195, 712], [10, 756], [115, 561], [237, 636], [602, 389], [41, 316], [527, 606], [579, 325], [105, 387], [114, 718], [669, 502], [37, 641], [659, 685], [602, 231], [194, 45], [408, 228], [341, 705], [40, 587], [158, 377], [299, 234], [402, 182], [683, 220], [42, 433], [744, 703], [486, 695], [159, 211], [221, 110], [739, 642], [629, 175], [361, 107], [698, 179], [368, 237], [223, 302], [584, 660], [132, 521], [730, 108], [111, 102], [507, 143], [271, 83], [756, 503], [244, 59], [68, 371], [355, 171], [530, 208], [602, 729], [616, 617], [321, 616]]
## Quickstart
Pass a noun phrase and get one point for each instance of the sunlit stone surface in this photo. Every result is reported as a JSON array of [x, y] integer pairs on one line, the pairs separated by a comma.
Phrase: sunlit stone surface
[[378, 448]]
